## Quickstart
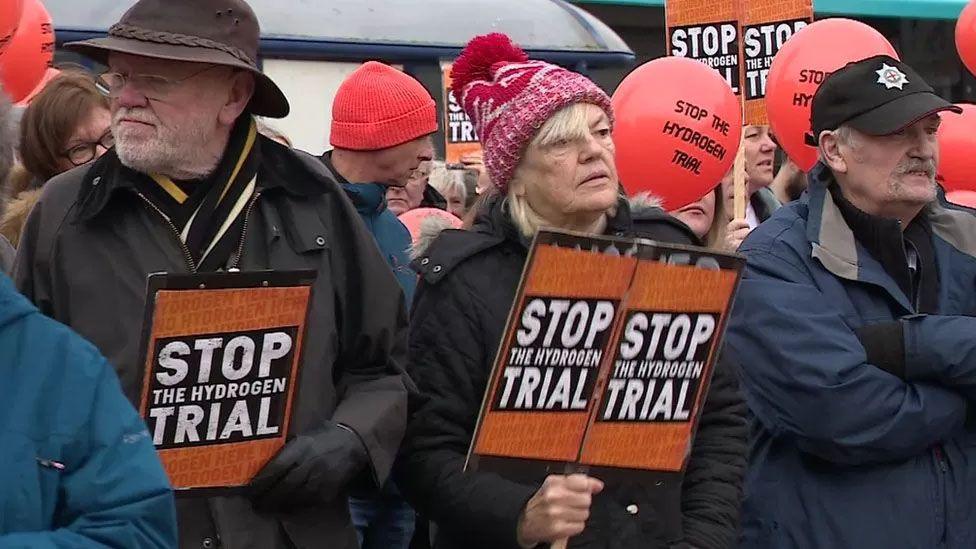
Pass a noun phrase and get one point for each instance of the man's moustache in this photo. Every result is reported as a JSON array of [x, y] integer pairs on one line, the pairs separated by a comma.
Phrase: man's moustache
[[918, 166], [133, 115]]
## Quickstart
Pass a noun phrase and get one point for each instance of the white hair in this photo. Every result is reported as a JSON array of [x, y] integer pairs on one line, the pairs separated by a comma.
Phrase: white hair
[[445, 180], [844, 134], [570, 124]]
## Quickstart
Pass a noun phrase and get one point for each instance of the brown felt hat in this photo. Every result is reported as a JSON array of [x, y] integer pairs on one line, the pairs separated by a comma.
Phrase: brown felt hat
[[222, 32]]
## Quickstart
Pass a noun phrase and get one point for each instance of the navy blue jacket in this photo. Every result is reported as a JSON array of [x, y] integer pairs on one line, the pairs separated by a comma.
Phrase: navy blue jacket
[[845, 454], [77, 466]]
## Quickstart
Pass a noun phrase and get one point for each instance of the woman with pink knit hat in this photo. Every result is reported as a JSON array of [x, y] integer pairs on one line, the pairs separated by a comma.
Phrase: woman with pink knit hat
[[546, 133]]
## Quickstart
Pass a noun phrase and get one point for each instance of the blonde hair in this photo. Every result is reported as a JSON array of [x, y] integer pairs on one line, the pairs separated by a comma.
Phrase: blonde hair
[[567, 124], [715, 238]]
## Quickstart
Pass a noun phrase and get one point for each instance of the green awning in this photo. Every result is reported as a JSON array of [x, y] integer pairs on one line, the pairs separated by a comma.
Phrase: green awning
[[918, 9]]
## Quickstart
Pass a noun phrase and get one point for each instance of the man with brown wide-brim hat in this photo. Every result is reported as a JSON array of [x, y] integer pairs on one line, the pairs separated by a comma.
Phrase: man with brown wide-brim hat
[[191, 187]]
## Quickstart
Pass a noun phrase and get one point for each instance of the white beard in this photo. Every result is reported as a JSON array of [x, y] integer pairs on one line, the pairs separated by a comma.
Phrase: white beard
[[175, 152]]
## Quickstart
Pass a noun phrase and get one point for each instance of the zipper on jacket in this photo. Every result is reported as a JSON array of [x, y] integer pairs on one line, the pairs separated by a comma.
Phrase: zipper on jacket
[[186, 251], [942, 509], [940, 458], [240, 246]]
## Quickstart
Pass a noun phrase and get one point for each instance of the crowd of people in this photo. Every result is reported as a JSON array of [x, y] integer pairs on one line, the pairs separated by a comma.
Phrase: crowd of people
[[838, 414]]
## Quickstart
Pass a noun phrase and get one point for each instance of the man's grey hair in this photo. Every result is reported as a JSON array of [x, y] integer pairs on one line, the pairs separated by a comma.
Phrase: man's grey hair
[[8, 137], [844, 134]]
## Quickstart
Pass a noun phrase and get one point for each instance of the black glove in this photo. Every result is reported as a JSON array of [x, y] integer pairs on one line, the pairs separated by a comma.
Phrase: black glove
[[311, 468], [884, 344]]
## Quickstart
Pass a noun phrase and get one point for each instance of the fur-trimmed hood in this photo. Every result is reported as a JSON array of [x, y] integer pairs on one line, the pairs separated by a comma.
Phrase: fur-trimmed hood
[[15, 214], [643, 206], [642, 203], [430, 229]]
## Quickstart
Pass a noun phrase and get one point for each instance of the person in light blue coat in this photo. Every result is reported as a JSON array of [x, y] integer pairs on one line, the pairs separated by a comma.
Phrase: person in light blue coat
[[77, 466], [855, 331]]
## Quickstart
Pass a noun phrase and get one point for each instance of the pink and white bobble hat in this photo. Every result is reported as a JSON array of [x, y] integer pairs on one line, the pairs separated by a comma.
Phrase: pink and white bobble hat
[[509, 97]]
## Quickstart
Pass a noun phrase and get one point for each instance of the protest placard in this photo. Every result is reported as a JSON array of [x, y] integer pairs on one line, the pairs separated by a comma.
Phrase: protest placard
[[706, 30], [606, 357], [460, 138], [538, 403], [221, 354], [765, 25], [672, 324]]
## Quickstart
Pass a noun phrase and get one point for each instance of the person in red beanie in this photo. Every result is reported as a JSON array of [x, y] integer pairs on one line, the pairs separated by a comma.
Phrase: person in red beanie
[[546, 133], [382, 121]]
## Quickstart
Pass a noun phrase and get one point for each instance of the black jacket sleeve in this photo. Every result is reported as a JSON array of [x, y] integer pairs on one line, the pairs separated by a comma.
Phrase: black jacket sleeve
[[372, 328], [450, 362], [712, 487]]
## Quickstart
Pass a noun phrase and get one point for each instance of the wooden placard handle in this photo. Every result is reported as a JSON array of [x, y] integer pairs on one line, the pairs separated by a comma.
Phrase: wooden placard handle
[[739, 183]]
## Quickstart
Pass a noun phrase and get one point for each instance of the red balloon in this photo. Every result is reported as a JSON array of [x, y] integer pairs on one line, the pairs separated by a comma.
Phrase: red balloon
[[963, 198], [677, 130], [412, 220], [49, 75], [9, 19], [966, 36], [29, 53], [957, 149], [798, 70]]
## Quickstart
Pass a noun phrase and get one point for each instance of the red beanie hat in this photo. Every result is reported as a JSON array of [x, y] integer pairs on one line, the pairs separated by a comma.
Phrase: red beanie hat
[[378, 106], [510, 97]]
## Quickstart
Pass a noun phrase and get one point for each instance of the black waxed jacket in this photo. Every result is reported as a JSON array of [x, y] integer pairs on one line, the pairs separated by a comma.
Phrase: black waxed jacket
[[468, 283], [84, 256]]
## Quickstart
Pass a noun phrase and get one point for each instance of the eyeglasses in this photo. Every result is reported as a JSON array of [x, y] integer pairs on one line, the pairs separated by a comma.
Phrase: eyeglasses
[[152, 86], [84, 153]]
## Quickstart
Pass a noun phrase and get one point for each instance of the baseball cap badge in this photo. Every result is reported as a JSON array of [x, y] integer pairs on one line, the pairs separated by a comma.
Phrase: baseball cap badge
[[891, 77]]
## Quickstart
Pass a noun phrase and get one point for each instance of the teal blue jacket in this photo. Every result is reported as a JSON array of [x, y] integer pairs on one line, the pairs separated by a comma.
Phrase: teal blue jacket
[[391, 236], [77, 466]]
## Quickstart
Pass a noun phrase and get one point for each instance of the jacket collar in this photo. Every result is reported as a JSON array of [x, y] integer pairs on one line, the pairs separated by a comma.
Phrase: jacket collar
[[494, 219], [835, 246], [493, 227], [369, 198], [101, 181], [294, 172]]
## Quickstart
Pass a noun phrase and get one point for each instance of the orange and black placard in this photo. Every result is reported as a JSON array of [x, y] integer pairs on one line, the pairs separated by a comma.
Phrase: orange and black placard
[[671, 328], [706, 30], [460, 138], [559, 330], [765, 25], [221, 355], [606, 357]]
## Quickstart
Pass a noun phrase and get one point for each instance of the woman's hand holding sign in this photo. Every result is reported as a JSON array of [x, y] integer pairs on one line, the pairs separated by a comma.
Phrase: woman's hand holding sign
[[558, 510], [736, 231]]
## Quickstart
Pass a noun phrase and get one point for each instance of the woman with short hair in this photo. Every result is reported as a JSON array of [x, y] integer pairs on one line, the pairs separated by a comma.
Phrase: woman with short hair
[[67, 124]]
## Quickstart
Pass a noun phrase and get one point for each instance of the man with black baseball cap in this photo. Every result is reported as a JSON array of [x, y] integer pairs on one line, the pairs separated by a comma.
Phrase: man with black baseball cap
[[854, 327]]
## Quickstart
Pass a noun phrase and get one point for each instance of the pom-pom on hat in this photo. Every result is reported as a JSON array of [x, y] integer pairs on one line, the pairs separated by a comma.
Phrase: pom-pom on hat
[[510, 97]]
